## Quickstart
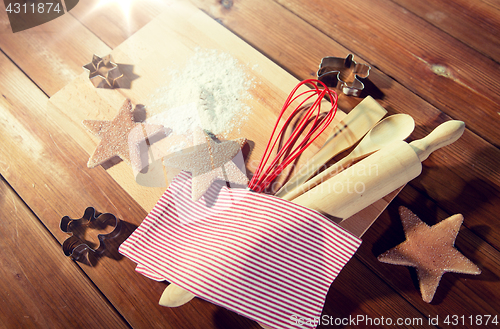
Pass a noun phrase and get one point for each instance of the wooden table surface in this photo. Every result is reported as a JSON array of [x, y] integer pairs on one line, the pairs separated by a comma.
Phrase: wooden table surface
[[435, 60]]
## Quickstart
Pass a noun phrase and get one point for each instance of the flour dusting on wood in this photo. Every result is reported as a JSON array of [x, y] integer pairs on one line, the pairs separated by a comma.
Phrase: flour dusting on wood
[[208, 92]]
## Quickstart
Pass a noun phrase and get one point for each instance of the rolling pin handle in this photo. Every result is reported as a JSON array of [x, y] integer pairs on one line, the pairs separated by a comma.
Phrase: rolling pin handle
[[445, 134]]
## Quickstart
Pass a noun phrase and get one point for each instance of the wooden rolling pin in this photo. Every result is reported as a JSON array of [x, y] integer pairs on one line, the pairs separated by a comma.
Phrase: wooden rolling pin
[[377, 175]]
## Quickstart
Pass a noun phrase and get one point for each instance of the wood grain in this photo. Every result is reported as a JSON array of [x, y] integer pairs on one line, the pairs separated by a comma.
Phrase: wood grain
[[462, 177], [39, 142], [363, 298], [463, 79], [474, 23], [360, 185], [51, 197], [54, 152], [39, 286], [115, 21], [449, 75], [172, 38], [184, 27], [432, 60], [457, 293], [51, 54], [62, 185]]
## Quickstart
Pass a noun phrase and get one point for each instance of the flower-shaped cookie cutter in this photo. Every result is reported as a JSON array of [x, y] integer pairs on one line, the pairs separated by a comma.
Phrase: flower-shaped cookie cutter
[[103, 73], [343, 73], [79, 248]]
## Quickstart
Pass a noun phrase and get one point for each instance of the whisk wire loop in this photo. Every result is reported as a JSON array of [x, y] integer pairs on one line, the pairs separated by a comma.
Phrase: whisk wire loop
[[291, 148]]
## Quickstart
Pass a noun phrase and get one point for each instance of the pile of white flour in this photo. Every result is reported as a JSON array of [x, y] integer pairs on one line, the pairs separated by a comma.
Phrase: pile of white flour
[[209, 93]]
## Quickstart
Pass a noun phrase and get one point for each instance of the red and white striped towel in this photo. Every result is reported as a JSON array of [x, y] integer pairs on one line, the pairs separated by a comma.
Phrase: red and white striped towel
[[258, 255]]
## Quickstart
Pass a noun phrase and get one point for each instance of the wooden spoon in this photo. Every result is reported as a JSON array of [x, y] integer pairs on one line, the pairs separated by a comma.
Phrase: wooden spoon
[[393, 128], [377, 175], [175, 296], [345, 134]]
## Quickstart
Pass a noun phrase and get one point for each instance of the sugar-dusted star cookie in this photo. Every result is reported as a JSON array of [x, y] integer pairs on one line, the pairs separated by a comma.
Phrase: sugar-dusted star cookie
[[209, 161], [431, 250], [120, 137]]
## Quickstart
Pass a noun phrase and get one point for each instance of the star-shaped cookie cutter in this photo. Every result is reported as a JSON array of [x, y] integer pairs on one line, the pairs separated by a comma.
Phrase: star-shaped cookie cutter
[[103, 73], [343, 73], [76, 246]]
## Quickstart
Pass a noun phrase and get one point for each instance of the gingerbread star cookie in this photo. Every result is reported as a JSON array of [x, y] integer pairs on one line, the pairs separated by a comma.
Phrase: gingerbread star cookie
[[120, 137], [431, 250], [208, 162]]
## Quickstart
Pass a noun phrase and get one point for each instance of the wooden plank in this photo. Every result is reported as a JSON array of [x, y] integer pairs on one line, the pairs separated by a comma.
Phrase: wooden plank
[[55, 153], [183, 28], [457, 293], [72, 187], [473, 84], [48, 170], [114, 21], [51, 54], [479, 172], [476, 23], [456, 79], [39, 286], [350, 299], [470, 188], [173, 37], [461, 177]]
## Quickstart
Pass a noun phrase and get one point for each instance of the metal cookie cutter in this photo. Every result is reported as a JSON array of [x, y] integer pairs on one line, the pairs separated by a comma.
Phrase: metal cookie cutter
[[343, 73], [77, 246], [103, 72]]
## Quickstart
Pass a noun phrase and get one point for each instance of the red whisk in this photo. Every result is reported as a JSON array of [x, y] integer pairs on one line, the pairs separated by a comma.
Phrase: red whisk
[[291, 149]]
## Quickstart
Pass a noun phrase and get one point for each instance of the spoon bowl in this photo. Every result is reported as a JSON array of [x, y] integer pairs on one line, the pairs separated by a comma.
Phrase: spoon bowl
[[393, 128], [346, 133]]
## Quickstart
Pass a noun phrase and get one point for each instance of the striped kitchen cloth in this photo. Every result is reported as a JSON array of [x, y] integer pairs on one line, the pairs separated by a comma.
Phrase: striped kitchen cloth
[[258, 255]]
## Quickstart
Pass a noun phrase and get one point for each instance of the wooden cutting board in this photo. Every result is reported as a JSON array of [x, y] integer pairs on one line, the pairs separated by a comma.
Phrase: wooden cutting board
[[166, 43]]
